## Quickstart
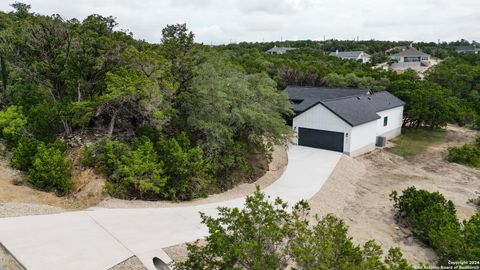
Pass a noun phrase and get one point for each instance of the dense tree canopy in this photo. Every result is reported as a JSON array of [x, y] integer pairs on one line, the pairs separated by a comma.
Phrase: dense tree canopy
[[213, 108], [157, 103]]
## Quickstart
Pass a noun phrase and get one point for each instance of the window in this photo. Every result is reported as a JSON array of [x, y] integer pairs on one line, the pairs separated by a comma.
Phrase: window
[[385, 121]]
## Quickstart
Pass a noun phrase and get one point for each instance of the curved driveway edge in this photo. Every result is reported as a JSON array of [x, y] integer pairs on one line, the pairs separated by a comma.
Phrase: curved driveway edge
[[101, 238]]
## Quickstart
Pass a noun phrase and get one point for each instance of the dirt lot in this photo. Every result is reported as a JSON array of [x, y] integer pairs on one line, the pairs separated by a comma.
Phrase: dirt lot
[[358, 190], [15, 193]]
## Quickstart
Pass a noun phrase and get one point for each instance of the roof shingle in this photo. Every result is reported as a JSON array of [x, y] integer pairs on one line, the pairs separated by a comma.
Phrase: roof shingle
[[354, 106]]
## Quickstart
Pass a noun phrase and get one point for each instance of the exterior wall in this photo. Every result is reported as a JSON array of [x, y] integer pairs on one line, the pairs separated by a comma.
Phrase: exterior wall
[[358, 140], [364, 57], [410, 59], [363, 138], [319, 117], [394, 125]]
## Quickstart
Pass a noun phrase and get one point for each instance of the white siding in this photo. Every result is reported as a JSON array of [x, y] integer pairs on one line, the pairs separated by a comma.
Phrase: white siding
[[358, 140], [319, 117], [395, 121], [363, 138]]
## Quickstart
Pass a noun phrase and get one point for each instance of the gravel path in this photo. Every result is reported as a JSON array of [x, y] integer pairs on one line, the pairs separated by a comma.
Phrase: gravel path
[[132, 263], [14, 209]]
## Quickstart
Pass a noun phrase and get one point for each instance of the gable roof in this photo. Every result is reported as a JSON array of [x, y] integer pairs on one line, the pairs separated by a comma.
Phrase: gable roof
[[410, 52], [348, 54], [354, 106], [466, 48], [308, 96], [276, 49], [362, 109]]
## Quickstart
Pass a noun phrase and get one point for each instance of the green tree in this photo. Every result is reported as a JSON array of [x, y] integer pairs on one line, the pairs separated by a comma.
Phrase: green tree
[[266, 235], [230, 115]]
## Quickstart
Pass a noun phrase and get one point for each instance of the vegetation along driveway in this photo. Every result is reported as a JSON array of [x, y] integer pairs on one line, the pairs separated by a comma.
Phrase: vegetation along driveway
[[100, 238]]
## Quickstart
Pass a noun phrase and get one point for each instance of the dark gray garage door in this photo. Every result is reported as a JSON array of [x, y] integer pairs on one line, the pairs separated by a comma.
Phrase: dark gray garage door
[[321, 139]]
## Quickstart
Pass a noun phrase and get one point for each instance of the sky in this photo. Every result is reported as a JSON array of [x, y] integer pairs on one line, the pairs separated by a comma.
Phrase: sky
[[226, 21]]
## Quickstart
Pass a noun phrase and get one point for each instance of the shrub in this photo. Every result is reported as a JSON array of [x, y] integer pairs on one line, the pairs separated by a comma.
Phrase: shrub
[[170, 170], [50, 170], [105, 155], [24, 152], [12, 124], [188, 173], [138, 175], [265, 234], [466, 154], [424, 211], [432, 219]]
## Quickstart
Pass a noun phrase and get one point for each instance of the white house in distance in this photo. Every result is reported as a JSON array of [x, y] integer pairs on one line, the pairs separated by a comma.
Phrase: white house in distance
[[279, 50], [410, 58], [344, 119], [352, 55], [410, 55]]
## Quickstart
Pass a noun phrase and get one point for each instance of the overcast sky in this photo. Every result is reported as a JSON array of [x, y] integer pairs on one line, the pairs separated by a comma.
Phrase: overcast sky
[[222, 21]]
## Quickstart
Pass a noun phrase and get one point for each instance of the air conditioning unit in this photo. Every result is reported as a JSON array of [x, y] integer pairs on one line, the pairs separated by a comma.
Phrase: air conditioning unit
[[381, 141]]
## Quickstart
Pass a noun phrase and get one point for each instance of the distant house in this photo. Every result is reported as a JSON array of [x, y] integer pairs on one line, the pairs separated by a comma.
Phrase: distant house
[[352, 55], [410, 58], [279, 50], [467, 49], [344, 119], [410, 55]]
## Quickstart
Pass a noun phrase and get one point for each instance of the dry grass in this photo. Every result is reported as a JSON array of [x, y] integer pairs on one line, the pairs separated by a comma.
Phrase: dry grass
[[415, 141]]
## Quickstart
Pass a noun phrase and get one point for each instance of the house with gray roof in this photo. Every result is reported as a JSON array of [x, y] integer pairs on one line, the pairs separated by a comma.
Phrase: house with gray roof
[[352, 55], [467, 49], [279, 50], [346, 120], [410, 55], [410, 58]]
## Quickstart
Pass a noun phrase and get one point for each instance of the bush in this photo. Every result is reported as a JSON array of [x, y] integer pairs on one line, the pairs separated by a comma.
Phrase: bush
[[138, 175], [24, 152], [12, 124], [170, 170], [105, 155], [50, 170], [265, 234], [188, 172], [424, 211], [432, 219], [467, 154]]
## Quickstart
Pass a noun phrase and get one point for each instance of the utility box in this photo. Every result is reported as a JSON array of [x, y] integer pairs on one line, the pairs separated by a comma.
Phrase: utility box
[[381, 141]]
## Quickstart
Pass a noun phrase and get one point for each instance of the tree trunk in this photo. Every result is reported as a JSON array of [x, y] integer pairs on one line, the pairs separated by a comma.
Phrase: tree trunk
[[3, 66], [111, 126], [67, 130], [79, 93]]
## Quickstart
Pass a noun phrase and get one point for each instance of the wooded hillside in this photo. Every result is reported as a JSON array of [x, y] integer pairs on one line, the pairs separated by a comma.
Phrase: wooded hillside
[[178, 119]]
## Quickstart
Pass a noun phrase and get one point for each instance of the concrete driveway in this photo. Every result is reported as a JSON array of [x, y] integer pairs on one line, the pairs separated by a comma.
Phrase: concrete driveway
[[100, 238]]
